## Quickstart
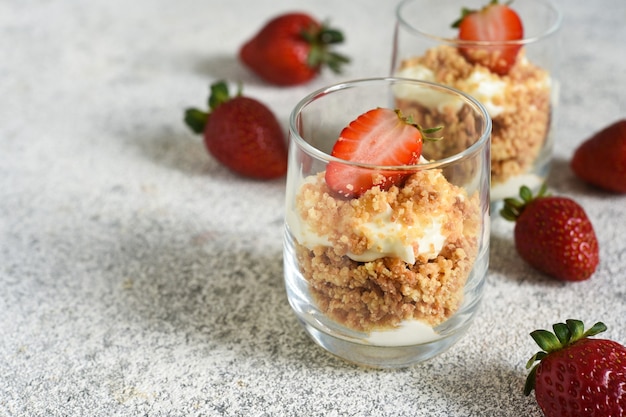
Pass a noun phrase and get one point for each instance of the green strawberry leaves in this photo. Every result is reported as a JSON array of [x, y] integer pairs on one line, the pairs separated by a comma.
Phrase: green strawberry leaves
[[565, 334], [196, 119]]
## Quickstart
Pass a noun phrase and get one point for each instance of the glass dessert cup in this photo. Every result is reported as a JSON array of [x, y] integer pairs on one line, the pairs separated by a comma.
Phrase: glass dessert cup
[[522, 103], [394, 276]]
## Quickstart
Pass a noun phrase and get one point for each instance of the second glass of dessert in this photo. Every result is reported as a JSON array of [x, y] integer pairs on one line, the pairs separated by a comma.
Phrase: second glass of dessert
[[505, 56], [387, 218]]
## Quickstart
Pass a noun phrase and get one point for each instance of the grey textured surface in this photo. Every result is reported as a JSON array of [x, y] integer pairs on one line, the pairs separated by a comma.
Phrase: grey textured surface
[[140, 278]]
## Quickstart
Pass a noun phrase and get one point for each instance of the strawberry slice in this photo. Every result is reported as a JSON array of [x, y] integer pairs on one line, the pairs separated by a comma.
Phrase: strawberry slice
[[493, 23], [382, 137]]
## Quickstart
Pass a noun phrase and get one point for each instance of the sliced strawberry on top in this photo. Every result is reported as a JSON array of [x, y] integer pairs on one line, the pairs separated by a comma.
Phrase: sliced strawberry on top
[[493, 23], [381, 137]]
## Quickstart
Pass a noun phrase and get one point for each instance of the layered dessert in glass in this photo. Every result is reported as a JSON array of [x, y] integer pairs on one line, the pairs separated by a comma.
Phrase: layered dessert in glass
[[393, 275], [521, 100]]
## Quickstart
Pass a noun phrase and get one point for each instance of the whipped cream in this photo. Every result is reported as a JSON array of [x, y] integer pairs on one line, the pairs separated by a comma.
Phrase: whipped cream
[[409, 332], [428, 97], [487, 88], [484, 86], [386, 237], [395, 239]]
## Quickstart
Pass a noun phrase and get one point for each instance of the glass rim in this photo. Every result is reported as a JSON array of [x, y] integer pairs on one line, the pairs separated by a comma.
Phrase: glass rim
[[321, 155], [551, 30]]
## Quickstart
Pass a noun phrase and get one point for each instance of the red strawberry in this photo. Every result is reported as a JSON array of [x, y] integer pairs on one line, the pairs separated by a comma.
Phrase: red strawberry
[[553, 234], [601, 159], [377, 137], [292, 49], [493, 23], [241, 133], [577, 376]]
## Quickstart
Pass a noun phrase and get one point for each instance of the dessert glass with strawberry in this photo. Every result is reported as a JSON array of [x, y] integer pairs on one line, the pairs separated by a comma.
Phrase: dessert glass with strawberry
[[387, 218], [505, 56]]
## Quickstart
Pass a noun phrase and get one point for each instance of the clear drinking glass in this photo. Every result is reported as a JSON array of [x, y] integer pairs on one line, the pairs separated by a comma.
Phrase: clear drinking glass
[[392, 277], [522, 103]]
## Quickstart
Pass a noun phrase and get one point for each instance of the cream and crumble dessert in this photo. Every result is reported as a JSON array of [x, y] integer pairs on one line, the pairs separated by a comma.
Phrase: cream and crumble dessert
[[519, 104], [389, 261]]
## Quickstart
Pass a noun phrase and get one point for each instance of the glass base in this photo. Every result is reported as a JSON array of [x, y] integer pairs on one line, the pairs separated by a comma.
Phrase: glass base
[[382, 357], [354, 346]]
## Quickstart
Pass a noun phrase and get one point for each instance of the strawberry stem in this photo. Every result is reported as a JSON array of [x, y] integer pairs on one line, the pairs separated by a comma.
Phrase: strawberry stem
[[465, 11], [513, 208], [596, 329], [319, 54], [196, 119], [329, 36], [562, 332], [219, 94], [424, 131], [565, 334], [546, 340]]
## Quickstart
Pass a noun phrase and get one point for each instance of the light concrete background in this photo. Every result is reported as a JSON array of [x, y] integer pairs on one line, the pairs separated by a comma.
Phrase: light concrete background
[[140, 278]]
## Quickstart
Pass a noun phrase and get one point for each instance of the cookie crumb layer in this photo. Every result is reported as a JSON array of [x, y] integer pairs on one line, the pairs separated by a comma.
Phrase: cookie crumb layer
[[381, 293], [520, 130]]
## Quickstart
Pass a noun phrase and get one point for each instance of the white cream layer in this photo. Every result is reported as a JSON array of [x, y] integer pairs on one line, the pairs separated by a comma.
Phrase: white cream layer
[[409, 332], [386, 237], [483, 85]]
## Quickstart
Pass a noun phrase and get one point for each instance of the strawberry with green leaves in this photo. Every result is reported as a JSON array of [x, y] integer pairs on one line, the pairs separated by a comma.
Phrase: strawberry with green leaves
[[382, 137], [292, 49], [553, 234], [496, 23], [242, 133], [601, 159], [577, 375]]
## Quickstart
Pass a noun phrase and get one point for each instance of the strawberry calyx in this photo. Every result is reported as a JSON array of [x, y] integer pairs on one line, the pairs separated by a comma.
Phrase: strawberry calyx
[[465, 12], [565, 334], [513, 208], [319, 39], [423, 131], [196, 119]]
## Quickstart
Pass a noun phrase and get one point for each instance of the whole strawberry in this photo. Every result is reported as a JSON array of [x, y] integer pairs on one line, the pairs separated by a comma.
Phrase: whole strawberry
[[553, 234], [601, 159], [292, 49], [241, 133], [496, 23], [578, 376]]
